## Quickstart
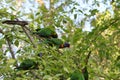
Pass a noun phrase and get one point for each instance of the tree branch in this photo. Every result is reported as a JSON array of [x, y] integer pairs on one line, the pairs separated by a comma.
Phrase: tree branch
[[1, 31], [87, 58], [23, 25], [29, 36], [9, 46], [13, 22]]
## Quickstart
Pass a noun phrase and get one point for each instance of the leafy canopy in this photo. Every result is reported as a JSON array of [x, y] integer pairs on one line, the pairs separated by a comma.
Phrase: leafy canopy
[[69, 19]]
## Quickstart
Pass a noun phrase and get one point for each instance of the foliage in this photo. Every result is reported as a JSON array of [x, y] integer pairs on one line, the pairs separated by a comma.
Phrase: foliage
[[18, 43]]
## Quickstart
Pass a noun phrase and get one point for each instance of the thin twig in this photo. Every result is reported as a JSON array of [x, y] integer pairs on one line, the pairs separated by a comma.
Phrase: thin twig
[[87, 58], [27, 28], [29, 36], [9, 46], [1, 31]]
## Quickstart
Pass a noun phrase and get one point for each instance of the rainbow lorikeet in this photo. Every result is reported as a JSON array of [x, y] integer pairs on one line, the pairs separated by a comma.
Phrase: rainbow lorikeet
[[77, 75], [28, 64], [85, 73], [46, 33], [57, 42]]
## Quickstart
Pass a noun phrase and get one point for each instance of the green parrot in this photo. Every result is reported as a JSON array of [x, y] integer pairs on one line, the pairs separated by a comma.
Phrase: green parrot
[[46, 33], [85, 73], [28, 64], [77, 75], [57, 42]]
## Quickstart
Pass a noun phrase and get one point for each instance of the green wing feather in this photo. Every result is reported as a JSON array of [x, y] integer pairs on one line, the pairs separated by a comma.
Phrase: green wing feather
[[27, 64], [76, 75], [46, 32], [85, 73], [54, 42]]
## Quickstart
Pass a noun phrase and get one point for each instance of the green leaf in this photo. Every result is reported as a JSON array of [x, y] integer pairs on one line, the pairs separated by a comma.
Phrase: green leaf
[[2, 41], [93, 12], [65, 69], [16, 42], [11, 61], [75, 16], [80, 11]]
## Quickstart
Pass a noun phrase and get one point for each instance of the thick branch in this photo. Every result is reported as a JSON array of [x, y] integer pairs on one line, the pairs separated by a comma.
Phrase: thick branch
[[12, 22]]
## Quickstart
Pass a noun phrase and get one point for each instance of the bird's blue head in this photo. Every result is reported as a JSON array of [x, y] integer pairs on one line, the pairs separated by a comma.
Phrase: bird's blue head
[[66, 44]]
